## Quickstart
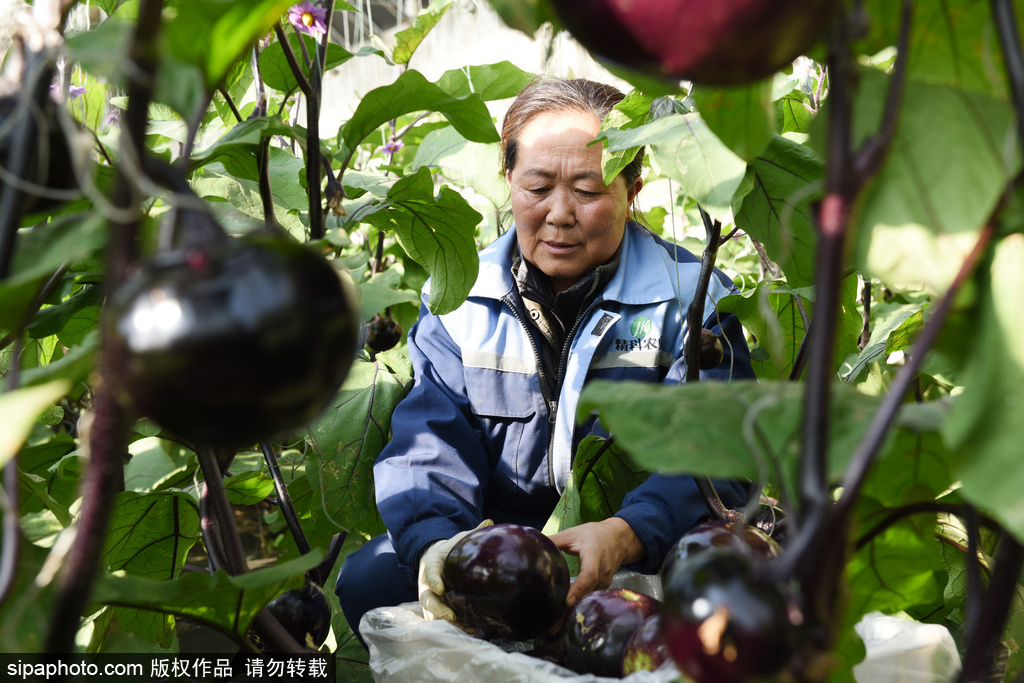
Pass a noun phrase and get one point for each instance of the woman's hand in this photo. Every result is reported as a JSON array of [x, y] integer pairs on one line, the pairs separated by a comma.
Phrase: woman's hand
[[602, 548]]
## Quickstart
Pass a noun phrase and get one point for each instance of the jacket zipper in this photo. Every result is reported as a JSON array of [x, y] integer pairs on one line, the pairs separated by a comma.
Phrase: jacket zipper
[[545, 387]]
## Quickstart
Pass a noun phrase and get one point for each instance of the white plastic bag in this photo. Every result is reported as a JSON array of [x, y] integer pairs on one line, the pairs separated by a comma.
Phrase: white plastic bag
[[901, 650], [405, 647]]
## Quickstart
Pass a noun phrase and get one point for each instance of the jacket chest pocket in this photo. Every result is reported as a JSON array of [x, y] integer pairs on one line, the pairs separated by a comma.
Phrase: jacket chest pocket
[[504, 412]]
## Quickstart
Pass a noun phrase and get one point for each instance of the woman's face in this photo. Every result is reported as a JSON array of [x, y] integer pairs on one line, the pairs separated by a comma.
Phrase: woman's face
[[567, 220]]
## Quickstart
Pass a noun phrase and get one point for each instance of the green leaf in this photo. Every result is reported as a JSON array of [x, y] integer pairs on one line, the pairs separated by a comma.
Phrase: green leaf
[[779, 211], [525, 15], [278, 75], [792, 114], [604, 473], [248, 488], [739, 429], [53, 319], [150, 534], [921, 214], [984, 428], [412, 92], [630, 113], [488, 82], [241, 143], [227, 603], [383, 290], [743, 117], [215, 34], [684, 149], [243, 194], [952, 42], [38, 486], [438, 233], [20, 409], [771, 312], [407, 40], [40, 251], [464, 163], [347, 438], [74, 366]]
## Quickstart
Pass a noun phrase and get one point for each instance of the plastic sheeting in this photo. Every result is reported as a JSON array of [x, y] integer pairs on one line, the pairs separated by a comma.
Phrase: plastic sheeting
[[405, 647], [901, 650]]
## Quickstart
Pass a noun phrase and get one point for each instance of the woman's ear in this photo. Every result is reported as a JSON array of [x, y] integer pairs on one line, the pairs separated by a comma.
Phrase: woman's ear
[[634, 189]]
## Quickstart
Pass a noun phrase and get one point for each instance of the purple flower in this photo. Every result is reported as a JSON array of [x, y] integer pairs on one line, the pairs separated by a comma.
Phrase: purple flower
[[393, 146], [75, 91], [113, 118], [308, 18]]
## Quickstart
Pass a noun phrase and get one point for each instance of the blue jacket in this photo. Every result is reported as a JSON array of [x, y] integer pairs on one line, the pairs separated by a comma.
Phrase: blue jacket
[[475, 438]]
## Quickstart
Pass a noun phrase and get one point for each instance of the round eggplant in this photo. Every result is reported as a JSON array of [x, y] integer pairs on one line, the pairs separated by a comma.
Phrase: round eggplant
[[506, 581], [722, 623], [723, 43], [646, 649], [236, 343], [304, 612], [720, 534], [596, 629]]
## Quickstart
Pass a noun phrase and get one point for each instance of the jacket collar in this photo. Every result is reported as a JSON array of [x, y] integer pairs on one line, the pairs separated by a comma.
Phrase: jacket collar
[[641, 277]]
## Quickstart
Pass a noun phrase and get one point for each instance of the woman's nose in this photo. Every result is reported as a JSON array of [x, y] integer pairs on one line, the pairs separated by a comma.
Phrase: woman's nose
[[562, 210]]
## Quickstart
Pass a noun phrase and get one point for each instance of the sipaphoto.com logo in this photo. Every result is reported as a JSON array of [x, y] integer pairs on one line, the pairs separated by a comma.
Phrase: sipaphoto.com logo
[[640, 327]]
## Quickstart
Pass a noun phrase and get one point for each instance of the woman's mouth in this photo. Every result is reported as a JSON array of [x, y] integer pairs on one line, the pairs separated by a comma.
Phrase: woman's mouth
[[559, 248]]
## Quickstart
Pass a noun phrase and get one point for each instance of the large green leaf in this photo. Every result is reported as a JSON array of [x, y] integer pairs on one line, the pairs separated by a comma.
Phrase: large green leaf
[[985, 428], [951, 158], [488, 81], [215, 34], [464, 163], [151, 533], [740, 429], [683, 148], [409, 93], [743, 117], [952, 42], [407, 40], [348, 437], [227, 603], [779, 211], [437, 232]]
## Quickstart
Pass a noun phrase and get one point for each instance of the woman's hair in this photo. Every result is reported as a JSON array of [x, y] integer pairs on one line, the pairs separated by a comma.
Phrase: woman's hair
[[547, 94]]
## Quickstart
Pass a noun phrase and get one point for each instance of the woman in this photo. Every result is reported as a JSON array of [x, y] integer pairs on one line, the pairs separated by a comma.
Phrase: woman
[[578, 291]]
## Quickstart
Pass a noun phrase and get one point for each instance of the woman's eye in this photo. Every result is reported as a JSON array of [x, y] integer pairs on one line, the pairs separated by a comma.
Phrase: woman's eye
[[587, 193], [537, 190]]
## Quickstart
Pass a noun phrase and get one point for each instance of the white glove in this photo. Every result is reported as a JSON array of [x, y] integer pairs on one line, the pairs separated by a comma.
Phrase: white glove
[[429, 583]]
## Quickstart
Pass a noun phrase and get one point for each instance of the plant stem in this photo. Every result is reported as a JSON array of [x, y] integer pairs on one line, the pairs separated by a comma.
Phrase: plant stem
[[268, 628], [284, 500], [231, 104], [1005, 18], [865, 301], [36, 91], [323, 570], [984, 640], [695, 313], [108, 435]]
